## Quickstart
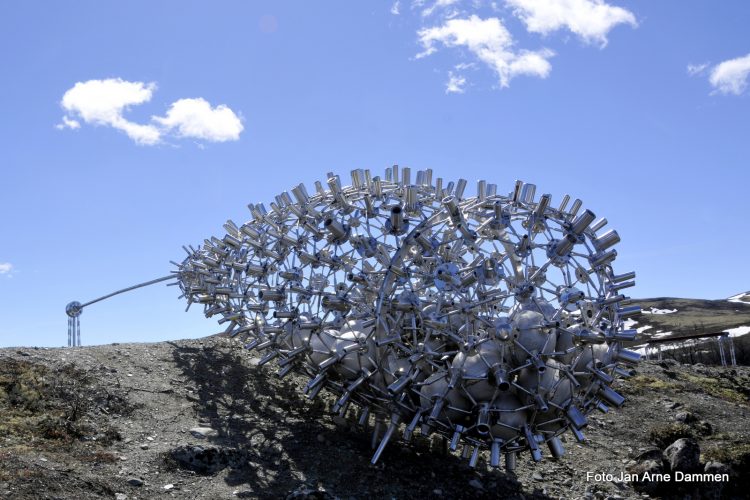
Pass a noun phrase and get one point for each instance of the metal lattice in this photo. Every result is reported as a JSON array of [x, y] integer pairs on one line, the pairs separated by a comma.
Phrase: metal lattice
[[493, 320]]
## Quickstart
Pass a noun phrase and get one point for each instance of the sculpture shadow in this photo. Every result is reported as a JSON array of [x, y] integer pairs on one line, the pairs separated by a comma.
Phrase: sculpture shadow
[[290, 444]]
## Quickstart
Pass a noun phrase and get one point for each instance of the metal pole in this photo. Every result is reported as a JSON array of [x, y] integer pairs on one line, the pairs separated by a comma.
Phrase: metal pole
[[140, 285], [74, 309]]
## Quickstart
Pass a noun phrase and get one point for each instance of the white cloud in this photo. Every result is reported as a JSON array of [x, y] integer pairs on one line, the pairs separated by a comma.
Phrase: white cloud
[[438, 5], [103, 102], [455, 84], [591, 20], [730, 77], [195, 118], [491, 43], [395, 8], [6, 268], [696, 69], [68, 123]]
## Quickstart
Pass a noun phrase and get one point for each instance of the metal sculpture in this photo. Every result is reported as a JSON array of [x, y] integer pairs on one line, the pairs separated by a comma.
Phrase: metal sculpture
[[495, 320]]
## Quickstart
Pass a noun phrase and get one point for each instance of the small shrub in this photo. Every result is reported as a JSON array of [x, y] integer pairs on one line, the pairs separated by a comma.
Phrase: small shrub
[[664, 435]]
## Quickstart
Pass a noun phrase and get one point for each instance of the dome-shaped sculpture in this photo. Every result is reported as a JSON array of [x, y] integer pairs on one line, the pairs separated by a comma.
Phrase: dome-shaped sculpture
[[493, 320]]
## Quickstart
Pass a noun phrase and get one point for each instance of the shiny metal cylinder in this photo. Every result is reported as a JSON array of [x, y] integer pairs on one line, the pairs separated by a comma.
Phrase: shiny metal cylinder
[[564, 203], [564, 246], [397, 219], [575, 207], [621, 286], [527, 193], [357, 178], [629, 311], [627, 356], [610, 396], [556, 447], [579, 225], [603, 259], [542, 206], [481, 190], [495, 453], [516, 196], [300, 193], [596, 226], [335, 228], [460, 187], [410, 198], [623, 277], [577, 419], [607, 240], [626, 335]]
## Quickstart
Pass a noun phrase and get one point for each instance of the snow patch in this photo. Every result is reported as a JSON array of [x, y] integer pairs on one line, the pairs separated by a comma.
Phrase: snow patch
[[659, 311], [661, 335], [629, 323], [736, 332], [742, 298]]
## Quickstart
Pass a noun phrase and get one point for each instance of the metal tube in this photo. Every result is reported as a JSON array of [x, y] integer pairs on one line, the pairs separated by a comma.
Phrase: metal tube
[[542, 206], [397, 219], [603, 259], [577, 419], [607, 240], [556, 447], [575, 207], [460, 187], [627, 356], [336, 229], [611, 396], [626, 335], [564, 203], [629, 311], [623, 277], [481, 190], [395, 419], [596, 226], [579, 225], [565, 245]]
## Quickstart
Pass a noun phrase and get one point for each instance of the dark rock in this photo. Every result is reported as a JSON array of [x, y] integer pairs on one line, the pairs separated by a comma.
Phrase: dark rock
[[650, 454], [715, 489], [716, 468], [647, 486], [305, 493], [686, 417], [683, 455], [208, 459], [134, 481], [704, 428]]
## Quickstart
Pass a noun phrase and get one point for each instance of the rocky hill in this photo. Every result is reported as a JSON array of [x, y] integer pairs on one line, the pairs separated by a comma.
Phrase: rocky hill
[[667, 316], [199, 419]]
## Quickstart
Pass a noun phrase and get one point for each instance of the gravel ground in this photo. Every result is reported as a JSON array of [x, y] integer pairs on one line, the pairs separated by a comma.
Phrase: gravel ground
[[114, 421]]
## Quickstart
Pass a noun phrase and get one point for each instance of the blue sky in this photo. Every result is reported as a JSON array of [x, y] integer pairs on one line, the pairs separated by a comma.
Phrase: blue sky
[[637, 107]]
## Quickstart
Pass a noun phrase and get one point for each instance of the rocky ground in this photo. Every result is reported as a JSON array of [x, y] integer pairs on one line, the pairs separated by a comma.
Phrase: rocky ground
[[198, 419]]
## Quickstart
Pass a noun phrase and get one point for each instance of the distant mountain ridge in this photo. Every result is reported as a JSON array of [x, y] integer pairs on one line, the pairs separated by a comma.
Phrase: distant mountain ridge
[[664, 317]]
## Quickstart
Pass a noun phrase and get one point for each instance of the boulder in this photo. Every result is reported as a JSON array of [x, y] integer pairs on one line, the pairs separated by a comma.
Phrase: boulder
[[683, 455], [652, 466]]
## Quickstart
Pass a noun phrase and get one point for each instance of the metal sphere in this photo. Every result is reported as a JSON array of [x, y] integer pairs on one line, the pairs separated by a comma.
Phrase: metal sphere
[[493, 320], [73, 309]]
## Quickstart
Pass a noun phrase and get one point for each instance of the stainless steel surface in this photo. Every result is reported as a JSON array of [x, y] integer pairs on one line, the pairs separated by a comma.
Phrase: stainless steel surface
[[494, 321]]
